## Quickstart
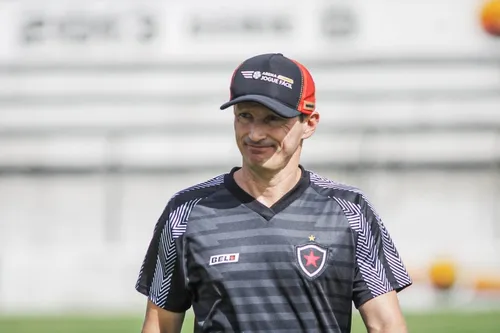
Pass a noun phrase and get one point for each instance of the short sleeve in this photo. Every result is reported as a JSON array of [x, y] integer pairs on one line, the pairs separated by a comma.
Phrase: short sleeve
[[379, 267], [161, 277]]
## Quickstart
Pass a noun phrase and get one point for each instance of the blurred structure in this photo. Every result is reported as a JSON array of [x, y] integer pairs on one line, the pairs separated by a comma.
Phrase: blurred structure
[[107, 108]]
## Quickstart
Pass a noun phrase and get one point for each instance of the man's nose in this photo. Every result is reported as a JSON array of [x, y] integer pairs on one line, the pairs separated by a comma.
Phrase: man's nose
[[256, 133]]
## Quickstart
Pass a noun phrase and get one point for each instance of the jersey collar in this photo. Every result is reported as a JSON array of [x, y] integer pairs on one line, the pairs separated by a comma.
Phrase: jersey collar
[[267, 212]]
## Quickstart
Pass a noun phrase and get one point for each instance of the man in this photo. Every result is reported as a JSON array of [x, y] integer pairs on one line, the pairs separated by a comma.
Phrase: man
[[270, 246]]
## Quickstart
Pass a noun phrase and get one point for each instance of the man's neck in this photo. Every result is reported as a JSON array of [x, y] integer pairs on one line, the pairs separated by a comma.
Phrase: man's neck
[[270, 186]]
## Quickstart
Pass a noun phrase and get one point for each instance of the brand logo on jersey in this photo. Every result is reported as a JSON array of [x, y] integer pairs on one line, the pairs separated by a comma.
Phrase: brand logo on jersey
[[311, 259], [224, 258]]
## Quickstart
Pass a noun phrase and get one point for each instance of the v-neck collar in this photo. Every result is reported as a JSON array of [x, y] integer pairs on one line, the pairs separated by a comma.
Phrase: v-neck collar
[[267, 212]]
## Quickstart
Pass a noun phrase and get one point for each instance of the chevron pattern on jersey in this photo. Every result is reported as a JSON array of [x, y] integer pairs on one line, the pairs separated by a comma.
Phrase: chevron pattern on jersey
[[391, 254], [327, 183], [209, 183], [167, 255], [370, 266], [393, 258]]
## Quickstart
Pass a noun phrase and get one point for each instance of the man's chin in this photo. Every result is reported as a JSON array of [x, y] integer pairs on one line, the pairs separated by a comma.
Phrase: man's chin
[[258, 159], [266, 164]]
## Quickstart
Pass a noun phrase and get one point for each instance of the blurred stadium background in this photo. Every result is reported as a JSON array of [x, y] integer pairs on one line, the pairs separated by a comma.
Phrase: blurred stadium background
[[107, 108]]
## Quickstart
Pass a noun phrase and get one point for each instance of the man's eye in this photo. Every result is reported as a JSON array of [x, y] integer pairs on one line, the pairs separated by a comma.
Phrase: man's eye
[[245, 115]]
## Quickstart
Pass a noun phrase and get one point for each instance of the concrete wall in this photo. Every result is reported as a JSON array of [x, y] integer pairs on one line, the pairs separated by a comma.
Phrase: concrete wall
[[70, 242]]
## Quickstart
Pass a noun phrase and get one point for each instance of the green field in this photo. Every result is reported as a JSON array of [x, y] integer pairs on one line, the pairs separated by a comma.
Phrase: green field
[[481, 322]]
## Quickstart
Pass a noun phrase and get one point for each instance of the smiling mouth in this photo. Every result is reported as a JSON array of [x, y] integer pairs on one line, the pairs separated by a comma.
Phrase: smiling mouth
[[258, 148], [253, 146]]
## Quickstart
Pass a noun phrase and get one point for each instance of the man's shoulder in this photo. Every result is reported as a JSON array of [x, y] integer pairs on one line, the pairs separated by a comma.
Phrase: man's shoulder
[[334, 189], [195, 193], [342, 193]]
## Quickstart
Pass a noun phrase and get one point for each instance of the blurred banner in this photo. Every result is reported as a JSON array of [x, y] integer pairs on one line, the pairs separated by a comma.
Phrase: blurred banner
[[171, 30]]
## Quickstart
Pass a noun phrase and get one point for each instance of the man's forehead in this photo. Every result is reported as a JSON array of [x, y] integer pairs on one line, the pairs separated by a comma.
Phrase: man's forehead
[[254, 107]]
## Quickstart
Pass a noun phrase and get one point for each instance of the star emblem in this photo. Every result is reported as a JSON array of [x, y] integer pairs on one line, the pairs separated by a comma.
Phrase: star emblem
[[311, 259], [312, 238]]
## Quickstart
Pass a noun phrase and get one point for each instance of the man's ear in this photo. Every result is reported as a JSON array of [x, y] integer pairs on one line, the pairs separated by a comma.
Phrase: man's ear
[[310, 124]]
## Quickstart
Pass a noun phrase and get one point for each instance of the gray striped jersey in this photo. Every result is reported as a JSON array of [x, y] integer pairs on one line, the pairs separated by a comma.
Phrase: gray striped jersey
[[297, 266]]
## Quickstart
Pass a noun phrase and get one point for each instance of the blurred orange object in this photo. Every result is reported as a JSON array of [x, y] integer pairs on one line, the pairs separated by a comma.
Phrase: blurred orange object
[[487, 283], [443, 274], [490, 17]]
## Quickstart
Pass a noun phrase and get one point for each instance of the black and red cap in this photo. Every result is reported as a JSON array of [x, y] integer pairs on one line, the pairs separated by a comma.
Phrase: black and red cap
[[275, 81]]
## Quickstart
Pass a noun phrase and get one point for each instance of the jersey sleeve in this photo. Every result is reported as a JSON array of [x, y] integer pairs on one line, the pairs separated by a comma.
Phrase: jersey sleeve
[[161, 277], [379, 268]]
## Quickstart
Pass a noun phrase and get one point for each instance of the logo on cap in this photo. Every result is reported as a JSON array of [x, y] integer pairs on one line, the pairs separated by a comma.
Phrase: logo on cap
[[269, 77], [250, 74]]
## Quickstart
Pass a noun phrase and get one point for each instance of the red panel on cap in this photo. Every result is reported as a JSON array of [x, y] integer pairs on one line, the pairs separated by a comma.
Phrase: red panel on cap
[[232, 79], [307, 102]]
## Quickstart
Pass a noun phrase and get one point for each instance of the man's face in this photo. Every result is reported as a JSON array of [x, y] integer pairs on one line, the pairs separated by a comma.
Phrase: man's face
[[267, 140]]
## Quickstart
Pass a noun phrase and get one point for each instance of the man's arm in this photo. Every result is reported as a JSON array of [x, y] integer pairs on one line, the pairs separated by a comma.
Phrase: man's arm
[[161, 277], [383, 314], [158, 320], [379, 271]]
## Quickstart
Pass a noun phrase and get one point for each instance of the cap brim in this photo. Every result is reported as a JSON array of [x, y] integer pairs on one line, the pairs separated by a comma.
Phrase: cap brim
[[280, 108]]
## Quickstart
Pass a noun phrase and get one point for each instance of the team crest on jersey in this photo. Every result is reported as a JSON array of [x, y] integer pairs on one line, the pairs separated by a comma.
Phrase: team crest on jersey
[[311, 259]]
